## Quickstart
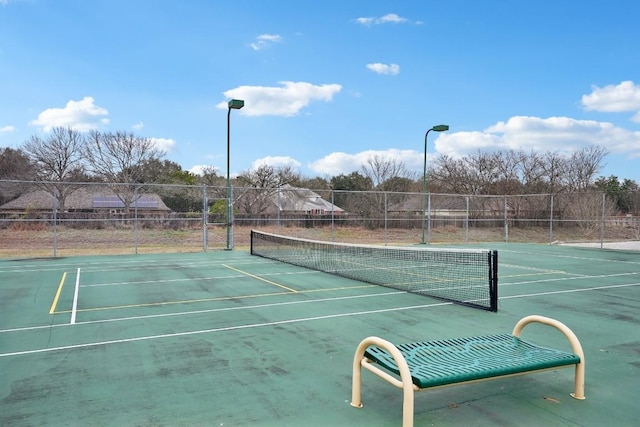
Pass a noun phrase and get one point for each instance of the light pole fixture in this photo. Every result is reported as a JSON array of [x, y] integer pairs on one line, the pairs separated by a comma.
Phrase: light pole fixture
[[437, 128], [234, 104]]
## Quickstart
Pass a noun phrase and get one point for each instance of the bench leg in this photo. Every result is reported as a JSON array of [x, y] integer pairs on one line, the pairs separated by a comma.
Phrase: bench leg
[[356, 377], [405, 382], [578, 386]]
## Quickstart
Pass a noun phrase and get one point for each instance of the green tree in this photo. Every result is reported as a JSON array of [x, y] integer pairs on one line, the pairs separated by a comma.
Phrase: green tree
[[15, 165], [623, 194], [348, 192], [165, 171], [179, 190]]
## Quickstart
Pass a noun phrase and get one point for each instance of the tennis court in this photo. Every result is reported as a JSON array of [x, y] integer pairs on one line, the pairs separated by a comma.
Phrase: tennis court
[[225, 338]]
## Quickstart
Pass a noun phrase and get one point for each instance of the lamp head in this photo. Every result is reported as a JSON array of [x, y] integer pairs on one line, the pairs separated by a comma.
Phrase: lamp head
[[440, 128], [236, 104]]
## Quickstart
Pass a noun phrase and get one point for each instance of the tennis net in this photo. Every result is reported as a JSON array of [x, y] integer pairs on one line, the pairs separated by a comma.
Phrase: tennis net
[[463, 276]]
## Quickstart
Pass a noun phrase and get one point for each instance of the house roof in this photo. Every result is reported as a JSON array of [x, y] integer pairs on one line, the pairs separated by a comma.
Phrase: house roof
[[88, 197], [302, 199]]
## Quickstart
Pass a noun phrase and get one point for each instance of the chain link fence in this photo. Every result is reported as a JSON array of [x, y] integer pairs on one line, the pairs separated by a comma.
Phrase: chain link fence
[[61, 219]]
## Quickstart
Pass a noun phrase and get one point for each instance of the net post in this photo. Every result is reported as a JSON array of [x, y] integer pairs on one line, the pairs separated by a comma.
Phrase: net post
[[493, 279]]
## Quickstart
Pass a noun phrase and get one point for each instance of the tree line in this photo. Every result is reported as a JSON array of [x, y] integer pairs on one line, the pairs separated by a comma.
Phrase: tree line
[[123, 158]]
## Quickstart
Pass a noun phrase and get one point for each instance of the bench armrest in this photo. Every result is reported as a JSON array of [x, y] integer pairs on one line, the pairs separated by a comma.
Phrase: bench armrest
[[405, 382], [570, 336]]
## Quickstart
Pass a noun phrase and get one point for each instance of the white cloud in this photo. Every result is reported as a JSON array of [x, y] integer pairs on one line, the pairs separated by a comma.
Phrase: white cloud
[[81, 115], [561, 135], [624, 97], [265, 40], [164, 144], [276, 161], [388, 18], [7, 129], [554, 134], [285, 101], [199, 169], [344, 163], [380, 68], [138, 126]]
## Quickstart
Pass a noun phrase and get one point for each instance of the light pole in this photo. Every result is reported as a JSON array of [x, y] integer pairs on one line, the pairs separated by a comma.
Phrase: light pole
[[437, 128], [234, 104]]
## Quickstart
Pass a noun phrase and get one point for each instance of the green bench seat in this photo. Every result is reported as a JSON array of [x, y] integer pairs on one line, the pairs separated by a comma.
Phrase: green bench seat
[[443, 362], [440, 363]]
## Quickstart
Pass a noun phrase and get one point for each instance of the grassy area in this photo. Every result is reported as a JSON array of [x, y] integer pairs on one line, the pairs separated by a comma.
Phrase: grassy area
[[68, 241]]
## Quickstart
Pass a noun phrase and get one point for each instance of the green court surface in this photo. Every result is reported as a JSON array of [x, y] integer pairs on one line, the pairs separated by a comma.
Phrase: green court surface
[[229, 339]]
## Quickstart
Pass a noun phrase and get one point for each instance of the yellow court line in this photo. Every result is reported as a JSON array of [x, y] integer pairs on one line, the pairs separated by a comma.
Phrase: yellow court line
[[55, 299], [189, 301], [259, 278]]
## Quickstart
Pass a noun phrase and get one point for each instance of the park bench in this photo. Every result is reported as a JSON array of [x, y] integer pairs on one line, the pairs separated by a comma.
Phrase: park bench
[[441, 363]]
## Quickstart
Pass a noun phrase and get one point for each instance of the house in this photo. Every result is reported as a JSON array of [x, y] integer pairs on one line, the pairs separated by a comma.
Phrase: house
[[441, 204], [85, 198], [293, 200]]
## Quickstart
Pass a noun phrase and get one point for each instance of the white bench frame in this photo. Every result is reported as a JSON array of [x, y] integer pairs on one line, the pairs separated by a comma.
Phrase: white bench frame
[[405, 381]]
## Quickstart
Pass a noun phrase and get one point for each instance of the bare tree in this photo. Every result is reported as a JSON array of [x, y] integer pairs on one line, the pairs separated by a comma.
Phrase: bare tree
[[379, 170], [58, 159], [121, 158], [508, 170], [473, 174], [211, 176], [582, 167], [388, 175], [259, 185], [450, 175]]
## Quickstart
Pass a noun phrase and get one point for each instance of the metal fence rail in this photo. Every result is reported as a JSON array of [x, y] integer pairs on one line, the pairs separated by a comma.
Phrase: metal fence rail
[[57, 219]]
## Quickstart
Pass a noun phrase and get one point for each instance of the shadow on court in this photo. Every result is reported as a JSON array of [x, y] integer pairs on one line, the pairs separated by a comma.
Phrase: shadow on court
[[229, 339]]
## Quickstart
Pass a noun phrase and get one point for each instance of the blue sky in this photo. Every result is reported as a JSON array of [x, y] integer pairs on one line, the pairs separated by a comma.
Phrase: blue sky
[[327, 84]]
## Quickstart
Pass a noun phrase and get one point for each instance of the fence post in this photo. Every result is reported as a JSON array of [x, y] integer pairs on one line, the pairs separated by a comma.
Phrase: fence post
[[506, 222], [551, 222], [602, 224], [385, 218], [333, 204], [429, 219], [205, 219], [135, 219], [279, 208], [55, 222], [466, 221]]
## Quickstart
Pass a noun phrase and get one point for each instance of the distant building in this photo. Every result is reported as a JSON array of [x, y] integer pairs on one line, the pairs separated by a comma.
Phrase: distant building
[[442, 205], [293, 200], [88, 198]]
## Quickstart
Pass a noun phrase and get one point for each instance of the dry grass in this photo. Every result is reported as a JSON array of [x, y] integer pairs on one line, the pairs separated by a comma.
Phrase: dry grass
[[25, 242]]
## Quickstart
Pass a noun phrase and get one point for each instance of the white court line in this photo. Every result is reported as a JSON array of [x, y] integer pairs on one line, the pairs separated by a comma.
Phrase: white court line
[[75, 299], [192, 279], [122, 265], [562, 279], [210, 310], [570, 291], [223, 329], [289, 321], [582, 258]]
